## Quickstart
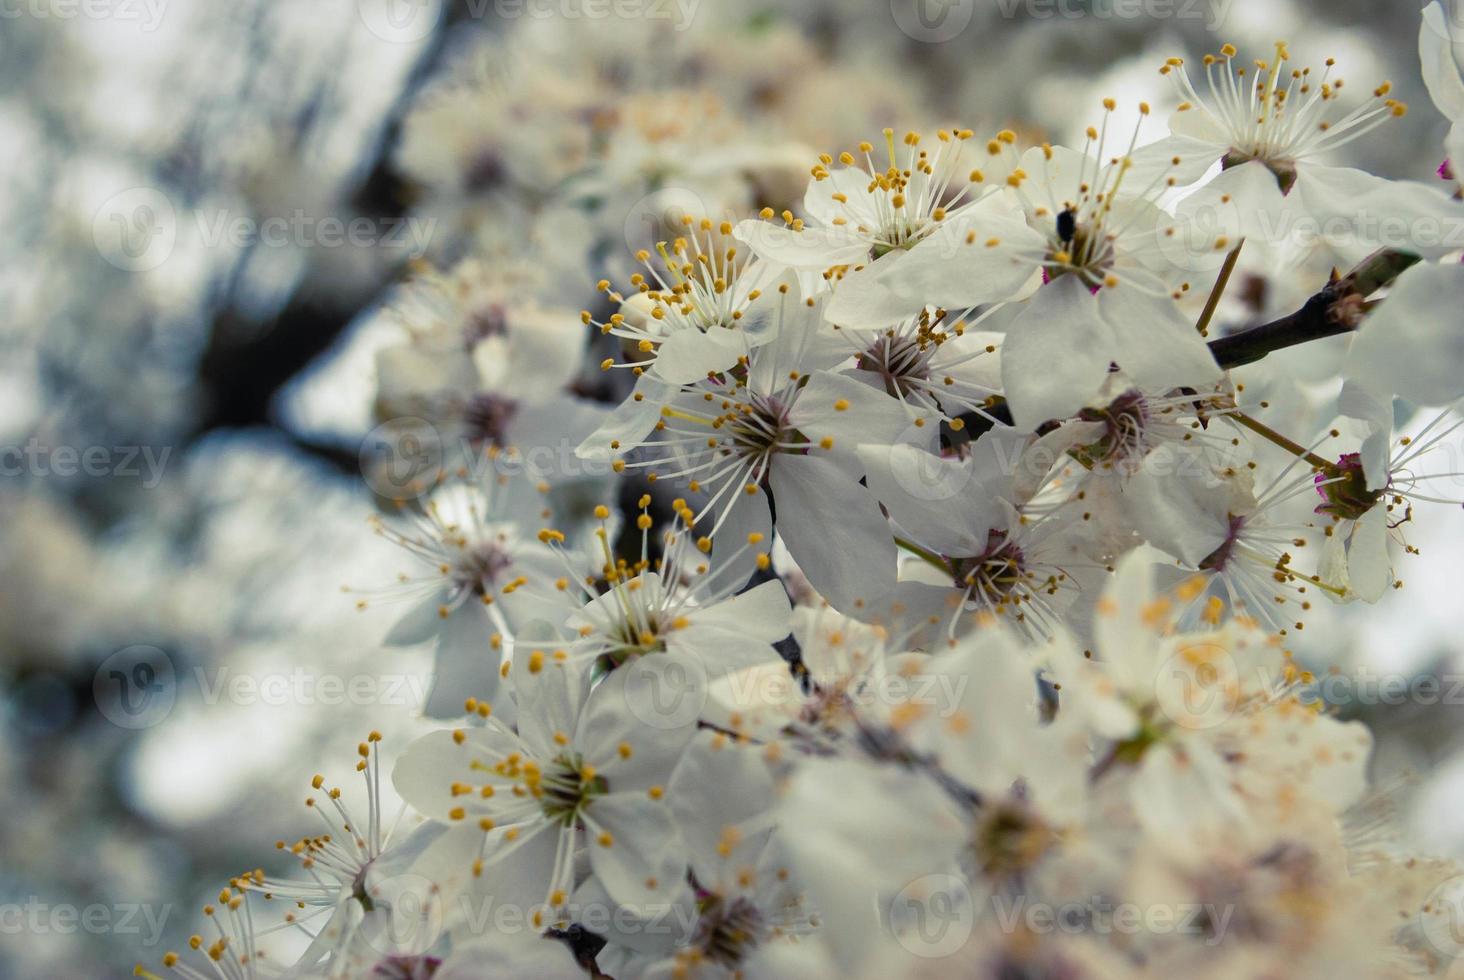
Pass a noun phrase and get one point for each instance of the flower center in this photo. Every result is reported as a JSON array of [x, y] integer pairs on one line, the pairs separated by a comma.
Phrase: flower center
[[996, 573], [1284, 170], [902, 361], [1277, 114], [566, 786], [407, 968], [480, 566], [757, 427], [636, 633], [487, 418], [1125, 421], [480, 324], [904, 201], [727, 930], [1345, 494], [1079, 244], [1009, 839]]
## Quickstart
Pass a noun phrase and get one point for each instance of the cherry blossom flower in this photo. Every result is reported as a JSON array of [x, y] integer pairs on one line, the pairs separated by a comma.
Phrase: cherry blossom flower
[[583, 774]]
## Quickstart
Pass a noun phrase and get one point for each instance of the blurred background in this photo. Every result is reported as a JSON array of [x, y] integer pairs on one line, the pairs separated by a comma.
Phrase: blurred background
[[210, 210]]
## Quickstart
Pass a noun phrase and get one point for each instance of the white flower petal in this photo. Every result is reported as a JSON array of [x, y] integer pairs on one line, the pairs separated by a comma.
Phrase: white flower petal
[[873, 297], [689, 355], [420, 624], [1155, 344], [466, 664], [849, 412], [631, 421], [810, 249], [1056, 354], [986, 256], [636, 725], [834, 529], [1411, 345], [1154, 162], [940, 502], [642, 862], [762, 613], [1369, 570], [719, 783], [1179, 515], [425, 772], [1359, 213], [1440, 70], [1243, 201]]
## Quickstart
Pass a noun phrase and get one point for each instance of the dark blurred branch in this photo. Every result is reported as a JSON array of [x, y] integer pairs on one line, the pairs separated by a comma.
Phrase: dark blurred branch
[[247, 363]]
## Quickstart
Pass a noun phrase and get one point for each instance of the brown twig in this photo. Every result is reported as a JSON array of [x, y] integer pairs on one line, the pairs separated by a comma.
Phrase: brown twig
[[1336, 308]]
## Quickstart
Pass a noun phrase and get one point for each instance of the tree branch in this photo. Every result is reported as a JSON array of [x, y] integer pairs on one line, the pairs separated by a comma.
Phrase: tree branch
[[246, 363], [1336, 308]]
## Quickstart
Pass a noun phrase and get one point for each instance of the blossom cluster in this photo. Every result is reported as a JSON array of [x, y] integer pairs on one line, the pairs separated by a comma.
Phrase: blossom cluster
[[909, 592]]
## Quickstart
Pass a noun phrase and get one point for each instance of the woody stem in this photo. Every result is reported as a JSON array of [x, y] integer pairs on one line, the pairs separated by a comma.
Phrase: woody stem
[[923, 553], [1294, 448], [1221, 281]]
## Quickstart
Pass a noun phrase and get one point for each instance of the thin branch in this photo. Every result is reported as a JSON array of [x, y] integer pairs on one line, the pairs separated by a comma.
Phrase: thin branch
[[1337, 308], [1221, 281]]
